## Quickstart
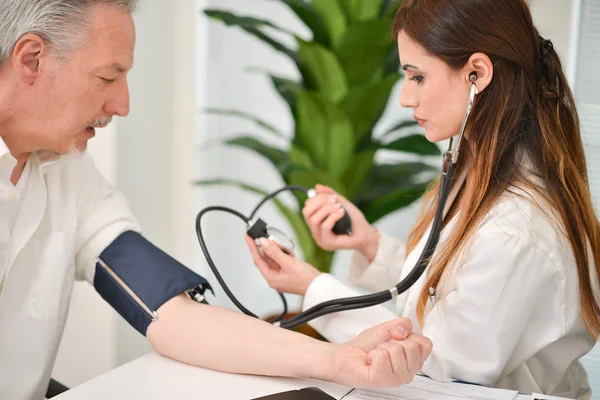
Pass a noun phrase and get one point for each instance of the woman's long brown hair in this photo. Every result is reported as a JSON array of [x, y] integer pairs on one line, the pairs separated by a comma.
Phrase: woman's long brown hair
[[527, 109]]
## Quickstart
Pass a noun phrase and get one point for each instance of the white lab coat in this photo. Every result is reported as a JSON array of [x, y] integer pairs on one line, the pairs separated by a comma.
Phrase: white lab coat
[[510, 318]]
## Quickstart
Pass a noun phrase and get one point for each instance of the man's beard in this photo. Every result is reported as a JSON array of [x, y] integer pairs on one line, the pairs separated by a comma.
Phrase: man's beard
[[74, 151]]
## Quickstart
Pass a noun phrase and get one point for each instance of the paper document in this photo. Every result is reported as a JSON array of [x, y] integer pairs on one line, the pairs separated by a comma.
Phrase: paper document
[[423, 388], [537, 396]]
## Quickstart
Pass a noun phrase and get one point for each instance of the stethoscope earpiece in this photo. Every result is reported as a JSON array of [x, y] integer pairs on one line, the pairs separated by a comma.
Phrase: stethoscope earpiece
[[473, 79]]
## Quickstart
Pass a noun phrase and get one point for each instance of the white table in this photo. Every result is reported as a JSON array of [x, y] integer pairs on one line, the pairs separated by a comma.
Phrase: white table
[[156, 377]]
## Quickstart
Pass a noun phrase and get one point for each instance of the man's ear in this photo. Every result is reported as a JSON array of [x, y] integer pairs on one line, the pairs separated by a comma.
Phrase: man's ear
[[482, 66], [27, 56]]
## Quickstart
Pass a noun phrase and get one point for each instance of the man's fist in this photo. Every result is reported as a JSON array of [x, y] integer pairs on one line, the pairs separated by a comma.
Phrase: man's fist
[[385, 355]]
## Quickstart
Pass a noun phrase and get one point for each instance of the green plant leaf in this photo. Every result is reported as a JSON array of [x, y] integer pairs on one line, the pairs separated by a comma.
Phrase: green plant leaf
[[321, 260], [303, 235], [365, 104], [243, 115], [392, 62], [392, 186], [244, 22], [324, 131], [300, 158], [392, 201], [307, 13], [277, 157], [324, 70], [402, 175], [285, 87], [390, 8], [309, 179], [361, 165], [333, 17], [359, 10], [363, 50], [252, 26], [287, 90], [400, 126], [416, 144]]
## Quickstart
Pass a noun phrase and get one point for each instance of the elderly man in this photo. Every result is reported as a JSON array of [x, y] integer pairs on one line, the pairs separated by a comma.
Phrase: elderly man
[[63, 68]]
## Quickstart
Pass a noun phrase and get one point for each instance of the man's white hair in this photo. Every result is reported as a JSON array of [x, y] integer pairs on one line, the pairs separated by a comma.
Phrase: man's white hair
[[59, 22]]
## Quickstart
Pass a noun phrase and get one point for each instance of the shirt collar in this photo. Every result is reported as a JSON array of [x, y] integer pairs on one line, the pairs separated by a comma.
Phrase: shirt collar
[[45, 158], [3, 148]]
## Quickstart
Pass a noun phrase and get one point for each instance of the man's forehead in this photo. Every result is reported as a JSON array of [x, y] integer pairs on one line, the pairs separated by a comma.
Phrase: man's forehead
[[112, 40], [113, 29]]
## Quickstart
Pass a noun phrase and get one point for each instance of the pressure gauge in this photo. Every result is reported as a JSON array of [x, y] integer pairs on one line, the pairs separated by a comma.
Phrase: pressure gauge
[[285, 242], [259, 229]]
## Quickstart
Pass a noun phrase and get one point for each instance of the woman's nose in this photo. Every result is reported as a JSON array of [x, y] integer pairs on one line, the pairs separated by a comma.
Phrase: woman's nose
[[407, 98]]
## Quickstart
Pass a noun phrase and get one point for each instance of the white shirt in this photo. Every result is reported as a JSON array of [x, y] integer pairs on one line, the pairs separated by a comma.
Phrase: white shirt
[[510, 318], [68, 215], [11, 196]]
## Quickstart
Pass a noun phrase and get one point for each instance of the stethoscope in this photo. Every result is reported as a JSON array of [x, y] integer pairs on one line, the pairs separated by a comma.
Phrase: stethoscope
[[257, 228]]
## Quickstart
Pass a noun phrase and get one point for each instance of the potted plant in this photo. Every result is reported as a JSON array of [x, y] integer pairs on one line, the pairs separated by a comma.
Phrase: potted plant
[[348, 70]]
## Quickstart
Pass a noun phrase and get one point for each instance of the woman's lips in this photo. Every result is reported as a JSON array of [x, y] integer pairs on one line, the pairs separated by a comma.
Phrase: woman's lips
[[420, 121]]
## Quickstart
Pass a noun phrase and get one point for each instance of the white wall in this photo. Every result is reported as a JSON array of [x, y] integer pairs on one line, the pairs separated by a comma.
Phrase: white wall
[[553, 20]]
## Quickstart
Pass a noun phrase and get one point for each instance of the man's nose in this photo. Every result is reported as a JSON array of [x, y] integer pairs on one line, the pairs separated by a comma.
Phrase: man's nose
[[118, 103]]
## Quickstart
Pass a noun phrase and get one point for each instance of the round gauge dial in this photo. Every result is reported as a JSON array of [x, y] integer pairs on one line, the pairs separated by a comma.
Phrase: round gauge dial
[[284, 241]]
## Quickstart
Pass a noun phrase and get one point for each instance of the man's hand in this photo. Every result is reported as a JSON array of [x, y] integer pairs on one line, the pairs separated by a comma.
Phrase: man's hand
[[385, 355]]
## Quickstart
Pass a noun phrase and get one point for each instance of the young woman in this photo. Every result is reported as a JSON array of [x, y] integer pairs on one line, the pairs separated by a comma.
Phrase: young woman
[[510, 297]]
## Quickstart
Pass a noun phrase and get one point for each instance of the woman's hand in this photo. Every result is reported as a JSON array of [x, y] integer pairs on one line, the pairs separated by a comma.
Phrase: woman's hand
[[283, 272], [325, 209]]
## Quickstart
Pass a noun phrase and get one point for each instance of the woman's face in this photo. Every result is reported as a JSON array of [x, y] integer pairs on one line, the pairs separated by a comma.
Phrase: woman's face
[[438, 94]]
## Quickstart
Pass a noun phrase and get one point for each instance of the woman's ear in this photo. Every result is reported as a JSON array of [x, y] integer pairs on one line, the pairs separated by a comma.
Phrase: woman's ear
[[482, 66]]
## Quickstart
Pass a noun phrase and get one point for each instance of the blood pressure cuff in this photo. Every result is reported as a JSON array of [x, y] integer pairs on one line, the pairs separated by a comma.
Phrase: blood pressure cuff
[[136, 278]]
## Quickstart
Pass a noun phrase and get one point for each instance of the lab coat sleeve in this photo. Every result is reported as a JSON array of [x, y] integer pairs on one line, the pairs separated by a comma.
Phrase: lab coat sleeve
[[103, 214], [384, 271], [476, 327], [343, 326]]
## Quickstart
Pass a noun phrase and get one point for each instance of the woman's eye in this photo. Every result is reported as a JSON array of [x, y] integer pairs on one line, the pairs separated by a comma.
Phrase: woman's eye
[[417, 78], [106, 80]]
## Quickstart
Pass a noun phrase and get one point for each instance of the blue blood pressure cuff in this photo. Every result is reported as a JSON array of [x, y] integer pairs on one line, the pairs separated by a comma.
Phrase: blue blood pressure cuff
[[136, 278]]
